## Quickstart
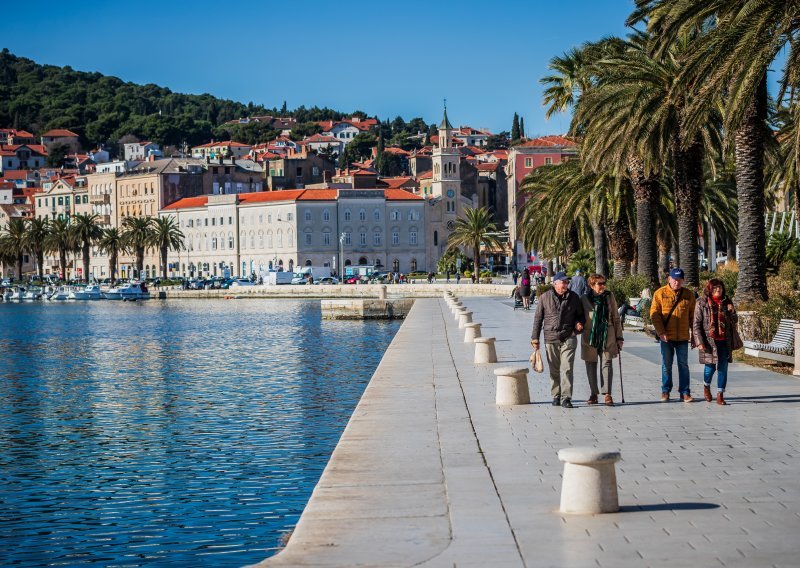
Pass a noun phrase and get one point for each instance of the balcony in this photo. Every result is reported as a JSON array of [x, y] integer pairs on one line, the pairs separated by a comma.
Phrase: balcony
[[102, 199]]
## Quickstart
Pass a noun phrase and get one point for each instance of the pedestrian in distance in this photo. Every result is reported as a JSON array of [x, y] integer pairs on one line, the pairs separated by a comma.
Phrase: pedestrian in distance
[[561, 315], [672, 312], [716, 336], [447, 276], [601, 340], [458, 277], [525, 289], [515, 276], [578, 284]]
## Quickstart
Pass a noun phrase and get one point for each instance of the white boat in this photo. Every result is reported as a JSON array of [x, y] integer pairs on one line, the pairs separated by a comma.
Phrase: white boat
[[129, 291], [21, 293], [60, 293], [90, 292]]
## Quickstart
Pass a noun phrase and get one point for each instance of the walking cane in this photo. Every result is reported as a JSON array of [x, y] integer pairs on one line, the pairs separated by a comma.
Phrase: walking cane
[[621, 389]]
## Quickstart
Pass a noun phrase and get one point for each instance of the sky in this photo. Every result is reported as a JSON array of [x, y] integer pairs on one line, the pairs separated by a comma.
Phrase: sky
[[387, 59]]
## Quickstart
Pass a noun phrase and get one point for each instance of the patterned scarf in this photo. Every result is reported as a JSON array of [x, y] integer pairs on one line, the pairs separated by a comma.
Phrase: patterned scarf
[[599, 331], [717, 318]]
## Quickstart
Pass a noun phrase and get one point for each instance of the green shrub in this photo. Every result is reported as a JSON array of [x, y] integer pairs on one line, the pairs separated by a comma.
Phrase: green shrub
[[628, 287], [542, 288], [582, 260]]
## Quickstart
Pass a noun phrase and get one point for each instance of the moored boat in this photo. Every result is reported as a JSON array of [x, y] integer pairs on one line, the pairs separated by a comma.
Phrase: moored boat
[[90, 292]]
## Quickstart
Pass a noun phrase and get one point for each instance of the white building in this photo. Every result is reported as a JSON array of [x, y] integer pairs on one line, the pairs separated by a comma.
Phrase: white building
[[141, 151], [254, 232]]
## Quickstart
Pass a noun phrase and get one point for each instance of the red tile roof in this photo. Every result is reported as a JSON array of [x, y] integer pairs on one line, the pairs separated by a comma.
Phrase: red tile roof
[[401, 195], [426, 175], [487, 166], [554, 140], [188, 203], [59, 133], [397, 182], [15, 174]]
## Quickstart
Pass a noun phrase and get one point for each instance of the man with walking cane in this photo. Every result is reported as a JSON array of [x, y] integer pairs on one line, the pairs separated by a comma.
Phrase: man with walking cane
[[601, 339]]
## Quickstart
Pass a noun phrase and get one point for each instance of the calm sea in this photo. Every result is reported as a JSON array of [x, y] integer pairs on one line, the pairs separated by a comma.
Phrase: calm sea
[[169, 433]]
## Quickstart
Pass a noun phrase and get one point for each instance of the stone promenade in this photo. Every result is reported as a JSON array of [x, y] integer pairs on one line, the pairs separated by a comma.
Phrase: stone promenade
[[429, 472]]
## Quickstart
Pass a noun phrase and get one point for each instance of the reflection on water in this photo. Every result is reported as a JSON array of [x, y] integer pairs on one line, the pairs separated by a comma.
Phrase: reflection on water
[[169, 433]]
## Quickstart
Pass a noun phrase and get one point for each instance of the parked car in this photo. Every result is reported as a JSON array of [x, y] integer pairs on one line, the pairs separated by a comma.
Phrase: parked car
[[327, 280], [353, 280], [241, 282]]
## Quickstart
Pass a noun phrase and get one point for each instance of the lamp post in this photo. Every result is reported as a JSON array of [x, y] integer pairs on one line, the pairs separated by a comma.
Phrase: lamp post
[[341, 258]]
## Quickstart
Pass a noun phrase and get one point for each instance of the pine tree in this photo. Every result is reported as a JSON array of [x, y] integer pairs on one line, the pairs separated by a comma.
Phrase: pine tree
[[283, 109], [380, 157], [515, 134], [522, 127]]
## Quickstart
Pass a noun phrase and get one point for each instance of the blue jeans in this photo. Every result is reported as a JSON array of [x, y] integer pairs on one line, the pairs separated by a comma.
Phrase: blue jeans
[[668, 351], [721, 367]]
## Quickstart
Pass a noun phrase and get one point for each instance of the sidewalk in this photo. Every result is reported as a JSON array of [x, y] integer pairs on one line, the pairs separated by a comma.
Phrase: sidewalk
[[430, 472]]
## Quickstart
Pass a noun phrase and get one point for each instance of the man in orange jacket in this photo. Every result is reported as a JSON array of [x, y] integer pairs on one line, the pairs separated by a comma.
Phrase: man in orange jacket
[[671, 313]]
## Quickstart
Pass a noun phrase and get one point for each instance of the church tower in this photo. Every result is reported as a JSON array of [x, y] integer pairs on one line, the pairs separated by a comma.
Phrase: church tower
[[446, 161]]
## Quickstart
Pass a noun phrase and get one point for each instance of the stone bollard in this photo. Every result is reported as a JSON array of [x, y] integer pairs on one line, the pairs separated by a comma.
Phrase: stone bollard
[[382, 292], [473, 330], [457, 309], [796, 371], [512, 386], [455, 305], [485, 351], [463, 319], [589, 485]]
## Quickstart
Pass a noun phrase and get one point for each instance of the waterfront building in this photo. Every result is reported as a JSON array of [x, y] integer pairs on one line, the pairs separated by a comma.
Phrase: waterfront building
[[251, 233], [522, 160]]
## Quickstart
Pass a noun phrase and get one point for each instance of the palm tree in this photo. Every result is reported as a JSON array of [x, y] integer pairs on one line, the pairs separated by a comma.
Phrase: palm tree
[[474, 229], [87, 232], [112, 243], [61, 239], [743, 38], [13, 243], [166, 236], [36, 234], [137, 233]]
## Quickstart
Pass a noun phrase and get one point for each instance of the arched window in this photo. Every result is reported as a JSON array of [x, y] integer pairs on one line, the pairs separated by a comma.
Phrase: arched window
[[413, 265], [291, 265], [290, 238], [230, 241], [243, 239], [261, 239], [376, 214], [395, 215], [378, 262], [308, 214], [308, 262], [362, 260], [395, 265], [346, 214], [252, 239], [347, 262], [326, 215], [362, 215], [280, 238], [214, 242], [269, 239]]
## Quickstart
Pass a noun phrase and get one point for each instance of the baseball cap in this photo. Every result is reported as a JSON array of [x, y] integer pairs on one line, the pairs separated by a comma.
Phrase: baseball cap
[[676, 274], [560, 276]]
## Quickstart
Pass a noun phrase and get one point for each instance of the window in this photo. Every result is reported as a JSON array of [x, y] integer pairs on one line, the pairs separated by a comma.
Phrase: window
[[315, 170], [290, 238], [377, 239], [269, 218], [326, 215], [230, 240], [346, 214], [308, 215], [548, 161], [395, 238], [308, 239], [205, 221], [213, 221], [412, 237], [222, 220], [61, 201], [289, 216], [362, 215], [326, 238], [230, 220], [528, 162], [348, 238], [363, 239], [214, 243], [269, 239], [395, 215], [280, 238], [436, 238], [376, 214]]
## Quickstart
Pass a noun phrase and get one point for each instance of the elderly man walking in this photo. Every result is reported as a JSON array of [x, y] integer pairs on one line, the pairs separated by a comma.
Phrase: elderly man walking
[[671, 312], [561, 314]]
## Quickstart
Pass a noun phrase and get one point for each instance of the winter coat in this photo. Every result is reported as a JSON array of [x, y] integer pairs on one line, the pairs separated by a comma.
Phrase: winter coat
[[589, 353], [679, 327], [579, 285], [702, 331], [557, 316]]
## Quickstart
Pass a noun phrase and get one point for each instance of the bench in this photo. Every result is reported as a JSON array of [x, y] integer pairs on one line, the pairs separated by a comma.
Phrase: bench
[[781, 348]]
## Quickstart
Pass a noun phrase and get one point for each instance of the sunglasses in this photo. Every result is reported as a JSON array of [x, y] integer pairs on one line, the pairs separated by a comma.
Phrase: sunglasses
[[600, 283]]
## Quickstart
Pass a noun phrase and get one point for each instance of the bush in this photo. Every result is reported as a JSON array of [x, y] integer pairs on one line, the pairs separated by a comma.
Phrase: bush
[[628, 287], [542, 288]]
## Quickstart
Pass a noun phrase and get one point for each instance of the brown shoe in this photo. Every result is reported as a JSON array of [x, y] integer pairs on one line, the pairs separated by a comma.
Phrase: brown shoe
[[664, 397], [707, 392], [592, 399], [609, 401], [687, 398], [720, 399]]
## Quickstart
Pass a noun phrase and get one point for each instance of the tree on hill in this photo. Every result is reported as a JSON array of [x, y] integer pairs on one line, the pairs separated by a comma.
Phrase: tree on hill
[[56, 155], [304, 129], [515, 132], [522, 127]]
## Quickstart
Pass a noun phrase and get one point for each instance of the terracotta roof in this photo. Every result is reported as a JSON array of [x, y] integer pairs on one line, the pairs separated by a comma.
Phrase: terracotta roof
[[487, 166], [397, 151], [222, 145], [554, 140], [188, 203], [59, 133], [401, 195], [318, 195], [7, 185], [425, 175], [397, 182], [15, 174], [320, 138]]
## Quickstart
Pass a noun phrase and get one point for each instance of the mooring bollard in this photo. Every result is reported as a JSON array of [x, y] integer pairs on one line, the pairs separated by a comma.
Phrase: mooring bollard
[[455, 306], [473, 330], [512, 386], [458, 310], [589, 485], [485, 351], [463, 319]]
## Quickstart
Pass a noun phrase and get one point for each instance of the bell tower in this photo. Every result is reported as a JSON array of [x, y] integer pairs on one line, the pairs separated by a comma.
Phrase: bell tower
[[446, 162]]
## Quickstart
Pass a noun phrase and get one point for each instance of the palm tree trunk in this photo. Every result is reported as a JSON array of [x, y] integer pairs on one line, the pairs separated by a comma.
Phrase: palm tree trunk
[[600, 258], [139, 262], [646, 191], [164, 251], [573, 242], [40, 262], [112, 267], [749, 150], [85, 253], [621, 245], [664, 246], [731, 246], [62, 259], [688, 165]]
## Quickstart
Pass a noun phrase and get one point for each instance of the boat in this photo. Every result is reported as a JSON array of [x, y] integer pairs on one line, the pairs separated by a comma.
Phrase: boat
[[60, 293], [90, 292], [21, 293], [130, 291]]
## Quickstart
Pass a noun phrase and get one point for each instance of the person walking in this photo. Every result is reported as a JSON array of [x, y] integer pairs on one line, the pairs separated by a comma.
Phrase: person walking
[[671, 312], [525, 289], [458, 277], [515, 276], [560, 313], [578, 284], [716, 336], [601, 340]]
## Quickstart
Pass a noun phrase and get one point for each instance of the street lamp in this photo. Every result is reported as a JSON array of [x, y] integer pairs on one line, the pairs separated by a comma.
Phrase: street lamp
[[341, 257]]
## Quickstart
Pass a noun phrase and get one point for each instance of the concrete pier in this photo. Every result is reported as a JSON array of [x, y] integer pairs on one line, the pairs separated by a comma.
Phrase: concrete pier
[[429, 472]]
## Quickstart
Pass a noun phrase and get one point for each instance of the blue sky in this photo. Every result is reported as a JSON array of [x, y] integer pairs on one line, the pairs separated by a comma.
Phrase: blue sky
[[385, 58]]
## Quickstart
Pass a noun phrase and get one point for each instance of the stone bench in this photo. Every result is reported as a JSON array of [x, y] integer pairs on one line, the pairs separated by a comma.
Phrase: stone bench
[[589, 484], [512, 386], [485, 351], [781, 348]]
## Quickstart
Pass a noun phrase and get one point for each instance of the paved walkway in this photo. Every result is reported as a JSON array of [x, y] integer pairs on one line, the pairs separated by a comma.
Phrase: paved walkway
[[429, 472]]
